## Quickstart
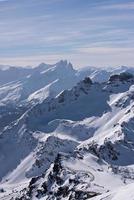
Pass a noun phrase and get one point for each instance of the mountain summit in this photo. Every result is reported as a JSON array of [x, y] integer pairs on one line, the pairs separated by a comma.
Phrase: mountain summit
[[67, 133]]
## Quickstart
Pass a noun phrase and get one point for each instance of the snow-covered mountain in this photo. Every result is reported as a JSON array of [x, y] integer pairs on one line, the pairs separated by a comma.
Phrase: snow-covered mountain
[[40, 83], [67, 134], [20, 85]]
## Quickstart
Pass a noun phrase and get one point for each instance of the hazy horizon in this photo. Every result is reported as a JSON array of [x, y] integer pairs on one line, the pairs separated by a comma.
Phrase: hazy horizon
[[5, 66]]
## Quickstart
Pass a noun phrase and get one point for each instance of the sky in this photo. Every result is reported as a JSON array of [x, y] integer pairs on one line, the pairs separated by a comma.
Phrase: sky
[[85, 32]]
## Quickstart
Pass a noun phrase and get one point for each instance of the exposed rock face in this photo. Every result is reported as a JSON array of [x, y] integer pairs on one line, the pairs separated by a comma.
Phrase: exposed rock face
[[59, 183], [121, 77], [76, 143]]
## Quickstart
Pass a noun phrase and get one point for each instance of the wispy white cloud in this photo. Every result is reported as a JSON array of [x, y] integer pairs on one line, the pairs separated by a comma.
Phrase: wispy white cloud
[[117, 6], [97, 56], [105, 50], [85, 32]]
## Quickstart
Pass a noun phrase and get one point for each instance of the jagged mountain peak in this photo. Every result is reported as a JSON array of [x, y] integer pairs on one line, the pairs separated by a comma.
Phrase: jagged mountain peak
[[61, 64], [70, 136], [65, 65]]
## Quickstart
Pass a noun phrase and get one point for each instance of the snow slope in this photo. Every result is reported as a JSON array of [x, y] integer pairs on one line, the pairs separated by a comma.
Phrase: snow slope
[[42, 82], [19, 85], [69, 139]]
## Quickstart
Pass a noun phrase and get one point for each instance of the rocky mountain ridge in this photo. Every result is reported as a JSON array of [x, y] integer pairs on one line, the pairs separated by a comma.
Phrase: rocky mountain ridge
[[76, 144]]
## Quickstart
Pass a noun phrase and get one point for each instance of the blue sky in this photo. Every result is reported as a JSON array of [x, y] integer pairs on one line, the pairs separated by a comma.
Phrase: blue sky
[[86, 32]]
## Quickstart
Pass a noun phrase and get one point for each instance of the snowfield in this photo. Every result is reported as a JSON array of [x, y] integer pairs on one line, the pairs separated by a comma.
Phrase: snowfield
[[66, 134]]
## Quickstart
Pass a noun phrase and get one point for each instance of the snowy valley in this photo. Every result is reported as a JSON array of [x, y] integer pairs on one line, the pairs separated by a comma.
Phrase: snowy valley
[[66, 133]]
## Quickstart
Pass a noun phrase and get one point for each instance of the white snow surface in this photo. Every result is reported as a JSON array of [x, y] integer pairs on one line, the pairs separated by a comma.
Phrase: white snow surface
[[75, 136]]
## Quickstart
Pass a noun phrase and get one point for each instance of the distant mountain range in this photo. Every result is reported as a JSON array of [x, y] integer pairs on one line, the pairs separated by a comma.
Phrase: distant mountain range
[[66, 133]]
